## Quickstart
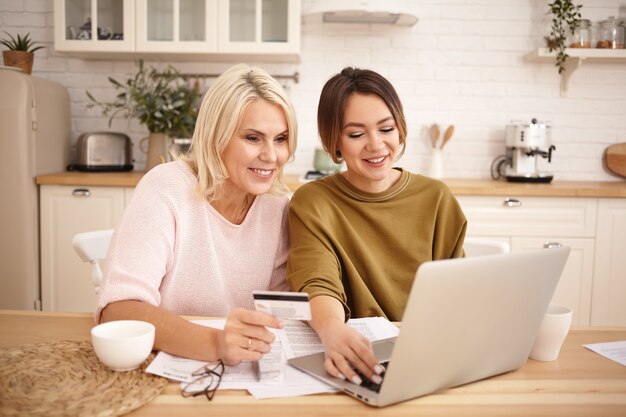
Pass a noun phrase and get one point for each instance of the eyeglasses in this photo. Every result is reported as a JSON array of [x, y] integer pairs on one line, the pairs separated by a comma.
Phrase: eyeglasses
[[207, 380]]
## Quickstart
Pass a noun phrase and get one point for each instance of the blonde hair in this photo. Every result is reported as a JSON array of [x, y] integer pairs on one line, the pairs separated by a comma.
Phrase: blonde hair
[[221, 111]]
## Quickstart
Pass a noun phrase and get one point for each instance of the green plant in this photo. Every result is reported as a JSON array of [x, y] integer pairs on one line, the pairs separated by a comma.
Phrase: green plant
[[565, 20], [21, 43], [163, 101]]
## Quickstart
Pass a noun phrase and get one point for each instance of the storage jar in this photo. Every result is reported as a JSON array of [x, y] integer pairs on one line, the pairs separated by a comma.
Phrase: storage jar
[[582, 35], [610, 35]]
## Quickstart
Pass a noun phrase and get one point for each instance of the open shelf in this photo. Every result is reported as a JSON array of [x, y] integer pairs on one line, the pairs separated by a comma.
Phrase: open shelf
[[576, 58]]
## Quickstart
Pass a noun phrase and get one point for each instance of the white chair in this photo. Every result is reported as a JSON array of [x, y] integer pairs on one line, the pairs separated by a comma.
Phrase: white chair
[[480, 247], [92, 247]]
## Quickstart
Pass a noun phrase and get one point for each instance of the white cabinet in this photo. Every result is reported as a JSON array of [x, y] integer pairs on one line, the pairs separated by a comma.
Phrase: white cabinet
[[535, 222], [259, 26], [75, 23], [574, 289], [268, 28], [64, 211], [177, 26], [609, 286]]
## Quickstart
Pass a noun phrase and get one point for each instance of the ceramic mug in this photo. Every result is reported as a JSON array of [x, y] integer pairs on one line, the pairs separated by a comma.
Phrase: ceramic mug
[[322, 162], [552, 333]]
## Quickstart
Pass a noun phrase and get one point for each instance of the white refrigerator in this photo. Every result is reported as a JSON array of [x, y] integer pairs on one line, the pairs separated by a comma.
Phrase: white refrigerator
[[35, 136]]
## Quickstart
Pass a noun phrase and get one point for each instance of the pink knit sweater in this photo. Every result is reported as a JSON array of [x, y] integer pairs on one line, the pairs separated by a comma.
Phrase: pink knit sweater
[[173, 249]]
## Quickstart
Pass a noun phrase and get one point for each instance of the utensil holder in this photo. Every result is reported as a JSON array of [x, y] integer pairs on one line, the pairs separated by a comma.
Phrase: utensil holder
[[435, 168]]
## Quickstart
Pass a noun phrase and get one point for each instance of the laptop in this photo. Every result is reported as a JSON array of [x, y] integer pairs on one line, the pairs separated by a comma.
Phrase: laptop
[[466, 319]]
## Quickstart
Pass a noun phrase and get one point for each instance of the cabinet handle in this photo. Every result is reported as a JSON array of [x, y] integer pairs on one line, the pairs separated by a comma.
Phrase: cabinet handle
[[512, 202], [81, 192], [550, 245]]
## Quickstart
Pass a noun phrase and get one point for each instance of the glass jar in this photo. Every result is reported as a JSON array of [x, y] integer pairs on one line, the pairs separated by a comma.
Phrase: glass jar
[[611, 34], [582, 35]]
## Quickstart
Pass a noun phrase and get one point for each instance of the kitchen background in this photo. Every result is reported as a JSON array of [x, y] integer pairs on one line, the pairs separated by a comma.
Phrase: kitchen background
[[463, 63]]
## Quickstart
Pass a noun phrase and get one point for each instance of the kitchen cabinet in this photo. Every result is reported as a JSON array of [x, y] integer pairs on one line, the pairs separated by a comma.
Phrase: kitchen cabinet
[[259, 26], [535, 222], [64, 211], [182, 28], [114, 20], [177, 26], [609, 286], [575, 286]]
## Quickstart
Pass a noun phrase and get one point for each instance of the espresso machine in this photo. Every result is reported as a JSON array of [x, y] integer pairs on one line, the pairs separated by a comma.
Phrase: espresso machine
[[525, 144]]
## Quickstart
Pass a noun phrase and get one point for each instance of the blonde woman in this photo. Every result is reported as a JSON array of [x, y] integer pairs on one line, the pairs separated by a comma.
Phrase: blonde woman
[[203, 232]]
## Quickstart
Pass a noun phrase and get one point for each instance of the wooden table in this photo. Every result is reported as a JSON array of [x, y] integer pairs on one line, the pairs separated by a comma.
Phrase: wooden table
[[579, 383]]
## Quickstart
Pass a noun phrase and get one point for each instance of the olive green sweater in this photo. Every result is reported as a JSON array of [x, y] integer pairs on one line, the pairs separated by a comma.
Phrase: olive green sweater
[[364, 248]]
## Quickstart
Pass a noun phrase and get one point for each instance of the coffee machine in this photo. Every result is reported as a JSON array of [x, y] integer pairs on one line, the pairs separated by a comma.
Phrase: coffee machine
[[525, 144]]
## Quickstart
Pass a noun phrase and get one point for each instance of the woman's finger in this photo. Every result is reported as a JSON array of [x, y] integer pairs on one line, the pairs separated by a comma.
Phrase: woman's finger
[[332, 370], [345, 369]]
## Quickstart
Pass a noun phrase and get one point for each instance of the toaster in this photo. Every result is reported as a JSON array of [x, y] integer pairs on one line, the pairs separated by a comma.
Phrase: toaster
[[104, 152]]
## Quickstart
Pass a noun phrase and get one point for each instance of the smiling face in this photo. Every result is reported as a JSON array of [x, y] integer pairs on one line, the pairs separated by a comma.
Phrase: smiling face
[[369, 143], [258, 149]]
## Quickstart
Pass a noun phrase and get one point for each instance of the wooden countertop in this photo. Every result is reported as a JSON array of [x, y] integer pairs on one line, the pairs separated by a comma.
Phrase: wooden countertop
[[579, 383], [481, 187], [105, 179]]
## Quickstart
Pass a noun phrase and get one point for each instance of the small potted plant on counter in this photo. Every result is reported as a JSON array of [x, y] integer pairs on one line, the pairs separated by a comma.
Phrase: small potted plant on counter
[[162, 101], [20, 51]]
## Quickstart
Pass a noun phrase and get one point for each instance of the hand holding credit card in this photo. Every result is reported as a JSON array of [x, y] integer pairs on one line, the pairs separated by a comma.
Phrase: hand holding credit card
[[282, 304]]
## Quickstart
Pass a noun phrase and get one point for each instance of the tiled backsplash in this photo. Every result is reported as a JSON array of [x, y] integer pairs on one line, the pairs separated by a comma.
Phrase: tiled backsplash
[[462, 63]]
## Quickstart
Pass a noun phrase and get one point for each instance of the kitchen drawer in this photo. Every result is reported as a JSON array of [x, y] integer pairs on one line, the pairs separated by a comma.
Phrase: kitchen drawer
[[529, 216]]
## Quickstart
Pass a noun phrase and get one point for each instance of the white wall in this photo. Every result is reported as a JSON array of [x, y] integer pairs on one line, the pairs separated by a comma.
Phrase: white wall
[[462, 63]]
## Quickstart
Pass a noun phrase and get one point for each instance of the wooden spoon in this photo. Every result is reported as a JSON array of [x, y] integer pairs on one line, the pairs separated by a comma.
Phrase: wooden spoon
[[434, 135], [448, 135]]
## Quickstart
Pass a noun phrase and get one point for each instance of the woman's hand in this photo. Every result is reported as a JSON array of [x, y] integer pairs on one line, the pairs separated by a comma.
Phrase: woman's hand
[[245, 337], [345, 348]]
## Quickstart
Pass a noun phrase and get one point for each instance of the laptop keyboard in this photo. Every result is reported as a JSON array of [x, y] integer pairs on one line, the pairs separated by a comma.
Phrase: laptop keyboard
[[369, 384]]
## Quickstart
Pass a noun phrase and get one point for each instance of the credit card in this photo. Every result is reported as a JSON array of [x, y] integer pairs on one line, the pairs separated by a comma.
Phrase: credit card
[[282, 304]]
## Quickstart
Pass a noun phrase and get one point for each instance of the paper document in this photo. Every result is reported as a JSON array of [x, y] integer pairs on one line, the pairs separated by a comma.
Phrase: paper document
[[616, 351], [295, 339]]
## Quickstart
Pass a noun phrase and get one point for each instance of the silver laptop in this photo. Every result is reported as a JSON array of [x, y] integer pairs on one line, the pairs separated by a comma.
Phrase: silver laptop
[[466, 319]]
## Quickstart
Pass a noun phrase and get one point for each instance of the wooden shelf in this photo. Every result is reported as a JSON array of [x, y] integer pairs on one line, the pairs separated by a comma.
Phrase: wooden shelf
[[576, 58]]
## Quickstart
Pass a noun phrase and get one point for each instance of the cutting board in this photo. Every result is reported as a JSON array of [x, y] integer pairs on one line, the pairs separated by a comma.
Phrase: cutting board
[[615, 159]]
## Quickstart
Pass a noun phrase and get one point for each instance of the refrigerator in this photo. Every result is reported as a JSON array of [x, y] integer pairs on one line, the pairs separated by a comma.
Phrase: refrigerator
[[35, 135]]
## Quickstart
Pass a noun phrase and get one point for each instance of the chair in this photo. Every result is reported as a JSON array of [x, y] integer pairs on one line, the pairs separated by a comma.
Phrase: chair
[[480, 247], [92, 247]]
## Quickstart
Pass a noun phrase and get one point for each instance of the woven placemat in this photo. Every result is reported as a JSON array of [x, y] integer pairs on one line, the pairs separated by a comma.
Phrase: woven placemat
[[66, 379]]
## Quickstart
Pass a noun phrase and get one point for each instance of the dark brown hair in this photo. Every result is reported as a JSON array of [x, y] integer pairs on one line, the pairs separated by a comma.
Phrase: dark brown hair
[[333, 100]]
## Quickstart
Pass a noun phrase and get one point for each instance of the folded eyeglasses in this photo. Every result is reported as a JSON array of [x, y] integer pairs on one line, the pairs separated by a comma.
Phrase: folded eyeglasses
[[207, 380]]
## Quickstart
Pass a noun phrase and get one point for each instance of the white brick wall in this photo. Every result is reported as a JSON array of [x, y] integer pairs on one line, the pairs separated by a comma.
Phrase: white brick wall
[[462, 63]]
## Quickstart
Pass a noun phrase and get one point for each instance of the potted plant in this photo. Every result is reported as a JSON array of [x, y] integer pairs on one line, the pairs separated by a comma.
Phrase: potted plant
[[20, 52], [162, 101], [565, 19]]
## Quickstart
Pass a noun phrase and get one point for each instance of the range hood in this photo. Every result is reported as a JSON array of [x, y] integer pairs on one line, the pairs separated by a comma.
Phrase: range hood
[[392, 12]]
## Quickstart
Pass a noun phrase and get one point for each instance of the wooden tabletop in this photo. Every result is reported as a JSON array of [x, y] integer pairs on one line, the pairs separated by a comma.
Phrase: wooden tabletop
[[458, 186], [579, 383]]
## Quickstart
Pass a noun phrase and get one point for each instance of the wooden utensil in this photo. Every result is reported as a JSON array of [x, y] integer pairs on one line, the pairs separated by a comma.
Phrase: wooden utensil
[[615, 159], [434, 135], [448, 135]]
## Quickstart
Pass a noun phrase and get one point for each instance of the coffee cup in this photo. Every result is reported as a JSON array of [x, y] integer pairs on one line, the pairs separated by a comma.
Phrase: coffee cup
[[123, 345], [552, 333]]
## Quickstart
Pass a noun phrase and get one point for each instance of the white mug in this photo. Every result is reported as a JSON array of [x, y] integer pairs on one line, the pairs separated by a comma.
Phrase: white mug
[[552, 333]]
